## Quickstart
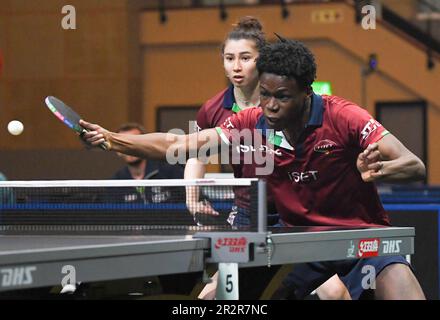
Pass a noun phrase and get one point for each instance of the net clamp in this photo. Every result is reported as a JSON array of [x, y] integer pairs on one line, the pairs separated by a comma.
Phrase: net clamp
[[230, 247]]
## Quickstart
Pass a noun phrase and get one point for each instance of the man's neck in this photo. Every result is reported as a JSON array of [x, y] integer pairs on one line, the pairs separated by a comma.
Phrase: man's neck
[[293, 132], [137, 170]]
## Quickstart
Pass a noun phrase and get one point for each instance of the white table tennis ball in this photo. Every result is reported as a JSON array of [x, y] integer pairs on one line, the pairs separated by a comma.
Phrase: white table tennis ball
[[15, 127]]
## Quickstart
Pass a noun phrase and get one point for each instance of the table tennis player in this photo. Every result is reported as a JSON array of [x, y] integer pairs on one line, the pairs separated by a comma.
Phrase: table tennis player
[[328, 152], [240, 50]]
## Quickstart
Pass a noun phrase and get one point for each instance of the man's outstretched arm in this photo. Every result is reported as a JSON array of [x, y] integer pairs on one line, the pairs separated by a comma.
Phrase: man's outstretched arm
[[151, 145]]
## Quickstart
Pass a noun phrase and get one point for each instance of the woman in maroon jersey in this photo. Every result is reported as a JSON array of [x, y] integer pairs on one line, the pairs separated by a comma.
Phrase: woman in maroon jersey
[[239, 52]]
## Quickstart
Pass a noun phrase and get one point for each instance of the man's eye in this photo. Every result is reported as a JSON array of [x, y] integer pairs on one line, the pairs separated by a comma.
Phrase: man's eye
[[283, 98]]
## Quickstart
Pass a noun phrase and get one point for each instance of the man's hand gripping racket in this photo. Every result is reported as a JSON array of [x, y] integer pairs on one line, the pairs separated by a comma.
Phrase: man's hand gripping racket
[[91, 134]]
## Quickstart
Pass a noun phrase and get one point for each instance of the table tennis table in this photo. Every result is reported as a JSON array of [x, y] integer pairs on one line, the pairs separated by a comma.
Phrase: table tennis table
[[39, 249], [29, 261]]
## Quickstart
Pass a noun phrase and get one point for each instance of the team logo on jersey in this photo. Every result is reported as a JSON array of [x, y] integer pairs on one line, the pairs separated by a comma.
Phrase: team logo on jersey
[[324, 146], [369, 128], [368, 248]]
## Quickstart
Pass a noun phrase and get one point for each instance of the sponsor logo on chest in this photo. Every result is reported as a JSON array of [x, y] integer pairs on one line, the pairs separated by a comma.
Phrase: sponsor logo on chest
[[303, 177], [325, 146]]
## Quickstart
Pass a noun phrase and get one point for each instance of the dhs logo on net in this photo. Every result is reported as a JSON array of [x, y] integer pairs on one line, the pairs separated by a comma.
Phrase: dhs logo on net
[[234, 244], [303, 177], [368, 248]]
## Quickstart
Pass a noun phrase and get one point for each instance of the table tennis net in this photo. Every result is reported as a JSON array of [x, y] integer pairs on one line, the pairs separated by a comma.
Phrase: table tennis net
[[125, 204]]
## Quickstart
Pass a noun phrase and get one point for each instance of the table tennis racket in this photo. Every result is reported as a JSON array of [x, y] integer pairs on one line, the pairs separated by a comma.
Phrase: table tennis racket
[[69, 117]]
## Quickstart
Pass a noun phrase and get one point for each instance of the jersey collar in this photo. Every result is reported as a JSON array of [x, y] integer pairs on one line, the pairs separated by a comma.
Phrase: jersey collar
[[229, 102], [277, 138], [317, 111]]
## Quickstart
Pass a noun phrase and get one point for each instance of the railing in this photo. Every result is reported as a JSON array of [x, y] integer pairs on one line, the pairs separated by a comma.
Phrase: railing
[[420, 19]]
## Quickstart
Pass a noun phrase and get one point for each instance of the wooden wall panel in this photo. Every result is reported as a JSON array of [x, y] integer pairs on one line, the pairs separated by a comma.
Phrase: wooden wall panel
[[91, 67], [341, 49]]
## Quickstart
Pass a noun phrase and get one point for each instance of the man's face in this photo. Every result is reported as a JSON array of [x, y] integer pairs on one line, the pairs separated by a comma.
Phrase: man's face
[[282, 100], [127, 158]]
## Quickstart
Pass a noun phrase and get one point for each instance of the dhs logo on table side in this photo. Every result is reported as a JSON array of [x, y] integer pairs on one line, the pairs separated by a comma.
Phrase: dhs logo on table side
[[234, 244], [368, 248], [20, 276], [391, 246], [371, 247]]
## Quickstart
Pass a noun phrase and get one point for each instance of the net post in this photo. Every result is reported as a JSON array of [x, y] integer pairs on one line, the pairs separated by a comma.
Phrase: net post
[[262, 206]]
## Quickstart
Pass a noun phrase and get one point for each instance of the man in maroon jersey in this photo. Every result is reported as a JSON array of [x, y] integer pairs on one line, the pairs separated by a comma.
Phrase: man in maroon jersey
[[320, 142], [327, 153]]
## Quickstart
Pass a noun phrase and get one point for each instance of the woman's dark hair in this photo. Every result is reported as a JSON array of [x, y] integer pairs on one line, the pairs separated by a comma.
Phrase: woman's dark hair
[[248, 28]]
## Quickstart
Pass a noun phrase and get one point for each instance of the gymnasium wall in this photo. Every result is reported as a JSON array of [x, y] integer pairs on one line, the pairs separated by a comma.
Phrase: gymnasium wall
[[121, 64], [181, 59]]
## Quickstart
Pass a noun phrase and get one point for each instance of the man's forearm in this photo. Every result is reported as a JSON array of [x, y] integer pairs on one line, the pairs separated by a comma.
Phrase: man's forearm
[[404, 169], [163, 145], [151, 145]]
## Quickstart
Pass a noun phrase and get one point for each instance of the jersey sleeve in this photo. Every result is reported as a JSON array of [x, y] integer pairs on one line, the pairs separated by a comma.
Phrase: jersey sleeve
[[201, 119], [230, 129], [359, 127]]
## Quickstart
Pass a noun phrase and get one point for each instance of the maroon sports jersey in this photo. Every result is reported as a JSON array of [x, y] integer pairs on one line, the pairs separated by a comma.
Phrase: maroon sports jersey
[[217, 109], [212, 114], [316, 182]]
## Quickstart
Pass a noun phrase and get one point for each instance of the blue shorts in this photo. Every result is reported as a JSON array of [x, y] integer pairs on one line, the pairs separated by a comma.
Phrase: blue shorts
[[306, 277]]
